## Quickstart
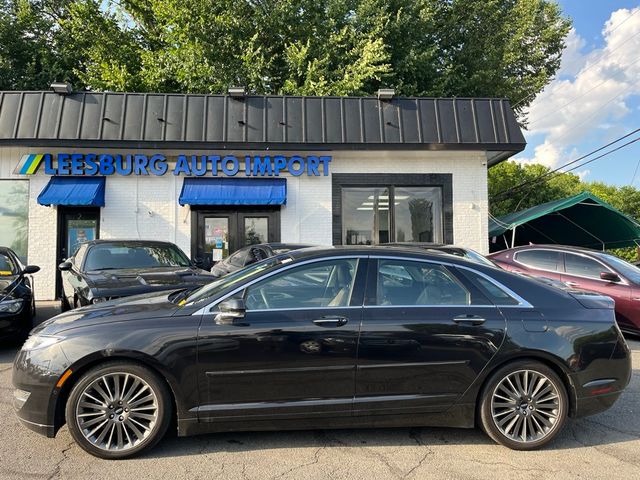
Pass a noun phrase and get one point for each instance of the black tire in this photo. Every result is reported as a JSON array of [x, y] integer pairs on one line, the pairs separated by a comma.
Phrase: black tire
[[502, 414], [134, 438]]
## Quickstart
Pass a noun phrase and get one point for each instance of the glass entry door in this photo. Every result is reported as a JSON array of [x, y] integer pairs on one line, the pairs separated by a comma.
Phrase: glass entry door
[[75, 226], [220, 233]]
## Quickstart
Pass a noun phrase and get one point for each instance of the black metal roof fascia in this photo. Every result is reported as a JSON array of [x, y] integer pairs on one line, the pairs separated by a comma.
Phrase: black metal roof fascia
[[187, 121]]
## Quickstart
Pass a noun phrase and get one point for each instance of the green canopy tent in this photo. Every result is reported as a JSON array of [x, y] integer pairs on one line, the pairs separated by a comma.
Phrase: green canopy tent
[[583, 220]]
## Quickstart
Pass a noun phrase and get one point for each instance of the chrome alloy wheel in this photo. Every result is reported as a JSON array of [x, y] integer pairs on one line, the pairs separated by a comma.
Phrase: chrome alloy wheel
[[117, 411], [525, 406]]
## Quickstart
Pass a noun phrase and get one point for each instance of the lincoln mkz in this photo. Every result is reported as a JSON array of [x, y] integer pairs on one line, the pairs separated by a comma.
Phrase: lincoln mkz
[[326, 338]]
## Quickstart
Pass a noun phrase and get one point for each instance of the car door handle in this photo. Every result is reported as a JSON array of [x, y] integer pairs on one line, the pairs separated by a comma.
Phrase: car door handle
[[469, 319], [572, 284], [331, 321]]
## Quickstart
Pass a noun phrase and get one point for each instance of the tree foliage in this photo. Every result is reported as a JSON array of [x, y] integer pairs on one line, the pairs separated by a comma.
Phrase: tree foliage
[[508, 175], [503, 48]]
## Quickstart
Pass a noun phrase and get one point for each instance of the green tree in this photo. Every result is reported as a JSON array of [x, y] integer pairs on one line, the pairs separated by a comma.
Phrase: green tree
[[541, 188], [509, 48], [33, 49]]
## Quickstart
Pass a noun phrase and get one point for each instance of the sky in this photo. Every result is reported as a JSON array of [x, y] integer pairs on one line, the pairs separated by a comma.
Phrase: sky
[[595, 96]]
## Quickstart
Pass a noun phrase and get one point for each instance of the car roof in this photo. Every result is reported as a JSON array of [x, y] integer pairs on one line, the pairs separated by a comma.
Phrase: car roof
[[409, 252], [132, 242], [551, 246]]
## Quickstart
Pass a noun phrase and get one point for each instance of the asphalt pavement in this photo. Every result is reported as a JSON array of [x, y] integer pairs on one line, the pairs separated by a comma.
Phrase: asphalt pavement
[[603, 446]]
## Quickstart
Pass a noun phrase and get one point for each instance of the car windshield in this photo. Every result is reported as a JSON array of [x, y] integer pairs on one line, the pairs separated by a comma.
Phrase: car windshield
[[627, 270], [109, 256], [228, 281], [7, 266]]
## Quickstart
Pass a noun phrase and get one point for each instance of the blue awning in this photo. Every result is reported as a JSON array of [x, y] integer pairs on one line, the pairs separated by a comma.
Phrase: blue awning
[[233, 191], [76, 191]]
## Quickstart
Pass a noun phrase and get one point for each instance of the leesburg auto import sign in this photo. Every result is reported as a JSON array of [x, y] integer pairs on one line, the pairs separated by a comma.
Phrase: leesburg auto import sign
[[88, 164]]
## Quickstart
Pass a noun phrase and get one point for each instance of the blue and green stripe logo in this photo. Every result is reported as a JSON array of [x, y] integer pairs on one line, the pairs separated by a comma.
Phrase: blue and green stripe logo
[[29, 164]]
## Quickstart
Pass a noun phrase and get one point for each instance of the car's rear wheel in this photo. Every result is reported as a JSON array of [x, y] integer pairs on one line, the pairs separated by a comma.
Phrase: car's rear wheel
[[524, 405], [117, 410]]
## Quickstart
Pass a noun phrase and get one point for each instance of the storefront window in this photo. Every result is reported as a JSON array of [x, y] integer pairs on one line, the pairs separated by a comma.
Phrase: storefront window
[[366, 218], [369, 212], [418, 214], [256, 230], [14, 216]]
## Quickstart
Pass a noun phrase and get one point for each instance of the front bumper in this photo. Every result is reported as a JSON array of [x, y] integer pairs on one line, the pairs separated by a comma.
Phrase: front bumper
[[35, 373]]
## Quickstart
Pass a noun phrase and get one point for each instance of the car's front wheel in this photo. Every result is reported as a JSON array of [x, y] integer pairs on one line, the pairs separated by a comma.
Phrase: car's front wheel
[[524, 405], [118, 409]]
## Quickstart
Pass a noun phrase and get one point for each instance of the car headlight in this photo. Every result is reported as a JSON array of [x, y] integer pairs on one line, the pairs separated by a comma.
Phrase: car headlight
[[11, 306], [98, 300], [35, 342]]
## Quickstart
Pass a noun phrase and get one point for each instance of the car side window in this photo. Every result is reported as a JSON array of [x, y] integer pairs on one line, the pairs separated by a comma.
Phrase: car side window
[[402, 282], [542, 259], [239, 258], [492, 291], [583, 266], [319, 284]]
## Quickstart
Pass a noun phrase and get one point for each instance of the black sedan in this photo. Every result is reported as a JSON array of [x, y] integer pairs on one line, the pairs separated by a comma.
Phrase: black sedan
[[252, 254], [17, 302], [103, 270], [326, 338]]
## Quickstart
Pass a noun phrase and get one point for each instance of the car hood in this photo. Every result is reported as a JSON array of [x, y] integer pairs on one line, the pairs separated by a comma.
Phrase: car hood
[[154, 305], [131, 281]]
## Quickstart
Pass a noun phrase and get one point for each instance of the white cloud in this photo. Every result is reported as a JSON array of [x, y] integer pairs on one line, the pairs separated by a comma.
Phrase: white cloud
[[583, 173], [590, 92]]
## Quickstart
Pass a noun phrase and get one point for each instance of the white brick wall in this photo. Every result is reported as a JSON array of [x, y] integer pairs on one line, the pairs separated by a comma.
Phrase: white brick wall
[[147, 207]]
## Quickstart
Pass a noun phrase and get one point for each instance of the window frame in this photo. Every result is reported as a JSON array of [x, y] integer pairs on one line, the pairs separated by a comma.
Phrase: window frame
[[392, 181]]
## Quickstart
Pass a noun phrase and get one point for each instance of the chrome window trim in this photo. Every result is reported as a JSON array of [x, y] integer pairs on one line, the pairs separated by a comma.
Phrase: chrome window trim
[[303, 308], [286, 266]]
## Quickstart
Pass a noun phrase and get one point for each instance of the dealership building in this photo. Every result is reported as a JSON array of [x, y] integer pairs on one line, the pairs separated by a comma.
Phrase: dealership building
[[213, 173]]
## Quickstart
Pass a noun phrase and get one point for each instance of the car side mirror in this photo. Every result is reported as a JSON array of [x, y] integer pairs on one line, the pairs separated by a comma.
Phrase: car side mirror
[[231, 312], [29, 269], [610, 276], [198, 262], [64, 266]]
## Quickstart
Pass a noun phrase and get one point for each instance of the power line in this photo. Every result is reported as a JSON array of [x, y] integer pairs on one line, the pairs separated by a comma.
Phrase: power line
[[551, 172]]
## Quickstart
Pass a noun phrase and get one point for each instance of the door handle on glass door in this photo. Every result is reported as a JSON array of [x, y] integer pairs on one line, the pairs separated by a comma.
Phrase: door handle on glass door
[[469, 319], [331, 321]]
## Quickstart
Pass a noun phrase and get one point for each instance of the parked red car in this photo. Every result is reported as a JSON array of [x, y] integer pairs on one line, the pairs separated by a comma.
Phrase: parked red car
[[582, 269]]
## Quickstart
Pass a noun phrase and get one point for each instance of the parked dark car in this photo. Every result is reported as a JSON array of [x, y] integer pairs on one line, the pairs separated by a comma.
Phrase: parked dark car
[[467, 253], [103, 270], [17, 301], [326, 338], [252, 254], [584, 269]]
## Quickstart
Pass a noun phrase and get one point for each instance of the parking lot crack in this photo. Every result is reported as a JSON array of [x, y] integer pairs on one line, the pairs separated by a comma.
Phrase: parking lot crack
[[415, 434], [57, 466], [316, 459]]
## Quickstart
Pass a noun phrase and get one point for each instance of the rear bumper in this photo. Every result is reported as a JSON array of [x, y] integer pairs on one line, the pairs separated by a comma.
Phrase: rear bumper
[[598, 388]]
